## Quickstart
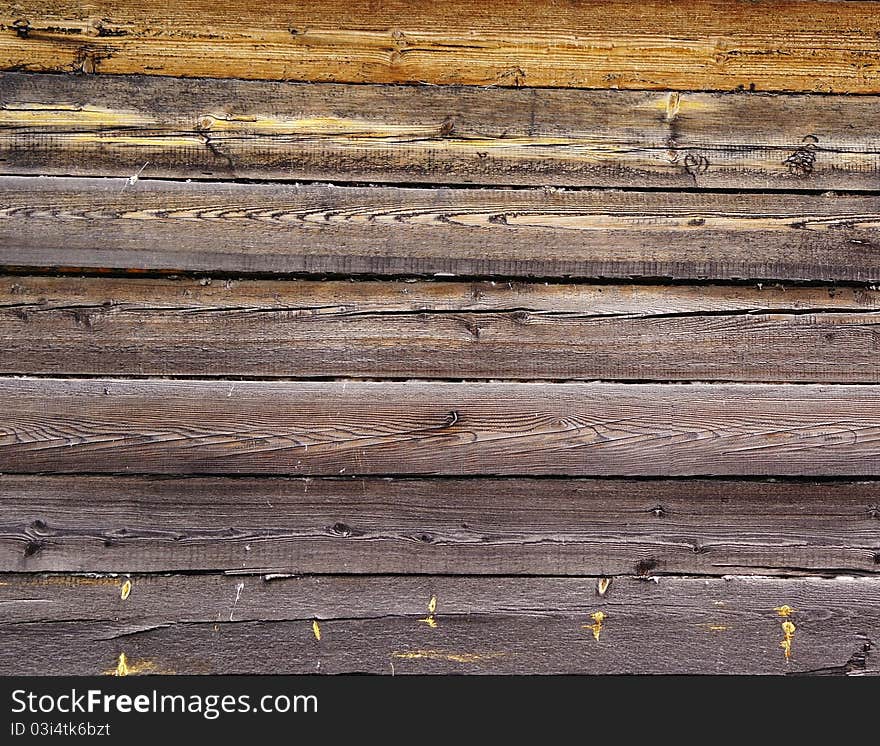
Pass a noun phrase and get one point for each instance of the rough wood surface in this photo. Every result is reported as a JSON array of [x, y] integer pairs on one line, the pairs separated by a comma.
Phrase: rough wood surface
[[352, 427], [107, 126], [108, 326], [703, 44], [287, 228], [447, 526], [226, 624]]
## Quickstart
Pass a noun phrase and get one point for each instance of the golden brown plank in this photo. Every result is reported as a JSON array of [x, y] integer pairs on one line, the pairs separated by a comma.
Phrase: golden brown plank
[[804, 45]]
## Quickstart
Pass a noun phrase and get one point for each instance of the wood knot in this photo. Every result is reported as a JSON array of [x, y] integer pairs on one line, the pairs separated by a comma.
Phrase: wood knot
[[33, 546], [452, 418], [22, 28], [803, 160], [659, 511], [341, 529], [643, 567]]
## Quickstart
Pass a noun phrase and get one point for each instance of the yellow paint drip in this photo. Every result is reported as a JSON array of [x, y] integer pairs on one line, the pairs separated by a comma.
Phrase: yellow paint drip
[[430, 620], [598, 618], [439, 655], [316, 630], [126, 590], [788, 629], [122, 666], [126, 667]]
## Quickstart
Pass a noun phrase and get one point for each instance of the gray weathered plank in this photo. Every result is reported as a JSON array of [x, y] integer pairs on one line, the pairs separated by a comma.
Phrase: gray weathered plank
[[164, 327], [353, 427], [452, 526], [246, 624], [118, 126], [284, 228]]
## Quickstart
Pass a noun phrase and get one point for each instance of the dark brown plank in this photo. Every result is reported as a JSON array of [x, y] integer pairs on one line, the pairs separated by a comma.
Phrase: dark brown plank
[[386, 230], [451, 526], [351, 427], [704, 44], [226, 624], [427, 330], [109, 126]]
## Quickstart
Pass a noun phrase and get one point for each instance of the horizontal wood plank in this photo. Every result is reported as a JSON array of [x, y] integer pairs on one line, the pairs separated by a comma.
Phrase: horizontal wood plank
[[352, 427], [449, 526], [705, 44], [436, 330], [232, 625], [178, 128], [285, 228]]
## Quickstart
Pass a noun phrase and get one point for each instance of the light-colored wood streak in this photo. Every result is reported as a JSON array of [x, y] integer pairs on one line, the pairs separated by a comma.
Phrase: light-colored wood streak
[[180, 128], [517, 526], [350, 427], [211, 624], [477, 330], [804, 45], [287, 228]]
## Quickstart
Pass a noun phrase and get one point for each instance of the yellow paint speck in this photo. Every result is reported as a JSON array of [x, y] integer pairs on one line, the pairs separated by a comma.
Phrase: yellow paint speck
[[430, 619], [316, 630], [126, 590], [598, 618], [784, 611], [716, 627], [788, 630], [602, 587]]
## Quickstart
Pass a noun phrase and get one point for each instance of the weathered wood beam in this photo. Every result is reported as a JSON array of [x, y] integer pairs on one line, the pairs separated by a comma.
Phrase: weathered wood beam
[[804, 45]]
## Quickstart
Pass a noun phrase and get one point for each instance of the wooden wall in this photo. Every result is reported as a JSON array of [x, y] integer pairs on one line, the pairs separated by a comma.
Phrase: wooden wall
[[506, 337]]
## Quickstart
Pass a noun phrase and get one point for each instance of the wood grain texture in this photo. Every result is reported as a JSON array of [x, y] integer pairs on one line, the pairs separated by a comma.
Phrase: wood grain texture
[[436, 330], [351, 427], [246, 624], [706, 44], [180, 128], [446, 526], [285, 228]]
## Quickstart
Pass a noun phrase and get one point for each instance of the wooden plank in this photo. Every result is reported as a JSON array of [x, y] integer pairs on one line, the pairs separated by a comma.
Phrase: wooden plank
[[286, 228], [450, 526], [352, 427], [178, 128], [804, 45], [430, 330], [223, 624]]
